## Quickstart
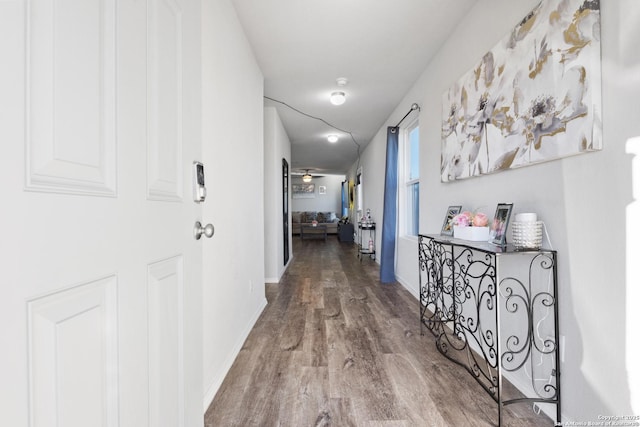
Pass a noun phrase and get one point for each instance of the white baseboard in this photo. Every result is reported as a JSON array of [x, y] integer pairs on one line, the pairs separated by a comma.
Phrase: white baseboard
[[280, 273], [213, 388], [413, 290]]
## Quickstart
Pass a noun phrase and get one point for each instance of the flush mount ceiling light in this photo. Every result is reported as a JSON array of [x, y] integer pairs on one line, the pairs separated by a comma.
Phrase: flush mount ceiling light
[[307, 177], [332, 138], [337, 98]]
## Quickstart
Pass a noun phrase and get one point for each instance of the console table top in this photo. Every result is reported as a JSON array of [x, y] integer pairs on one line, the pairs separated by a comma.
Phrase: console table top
[[483, 246]]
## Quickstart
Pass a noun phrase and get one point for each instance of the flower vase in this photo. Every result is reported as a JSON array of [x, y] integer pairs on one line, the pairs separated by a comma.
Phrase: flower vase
[[474, 234]]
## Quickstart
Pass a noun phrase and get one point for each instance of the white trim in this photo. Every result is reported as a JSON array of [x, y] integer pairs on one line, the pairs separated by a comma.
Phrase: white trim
[[280, 273], [412, 290], [213, 388], [403, 182]]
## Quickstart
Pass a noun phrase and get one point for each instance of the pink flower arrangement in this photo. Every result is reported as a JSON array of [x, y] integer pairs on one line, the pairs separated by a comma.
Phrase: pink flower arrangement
[[467, 219]]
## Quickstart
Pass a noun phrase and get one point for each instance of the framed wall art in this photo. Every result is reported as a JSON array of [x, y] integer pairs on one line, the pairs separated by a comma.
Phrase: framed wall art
[[534, 97], [303, 191]]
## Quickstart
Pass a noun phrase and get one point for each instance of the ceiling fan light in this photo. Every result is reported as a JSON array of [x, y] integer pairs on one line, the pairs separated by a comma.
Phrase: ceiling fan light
[[338, 98], [332, 138], [306, 177]]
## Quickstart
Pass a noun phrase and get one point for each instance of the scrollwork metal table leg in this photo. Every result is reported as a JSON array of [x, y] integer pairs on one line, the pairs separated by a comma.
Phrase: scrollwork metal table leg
[[490, 324]]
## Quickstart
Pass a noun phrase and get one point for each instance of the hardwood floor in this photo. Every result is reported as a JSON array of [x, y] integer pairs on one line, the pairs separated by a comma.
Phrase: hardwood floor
[[334, 347]]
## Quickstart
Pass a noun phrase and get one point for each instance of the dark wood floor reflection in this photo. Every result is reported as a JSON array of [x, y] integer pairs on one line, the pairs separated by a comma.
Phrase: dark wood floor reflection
[[334, 347]]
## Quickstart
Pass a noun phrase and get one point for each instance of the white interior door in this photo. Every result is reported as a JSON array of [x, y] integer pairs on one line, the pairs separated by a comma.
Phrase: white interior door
[[100, 314]]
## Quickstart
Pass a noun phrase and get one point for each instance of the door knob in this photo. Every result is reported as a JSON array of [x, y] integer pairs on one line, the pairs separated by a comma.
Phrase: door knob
[[199, 230]]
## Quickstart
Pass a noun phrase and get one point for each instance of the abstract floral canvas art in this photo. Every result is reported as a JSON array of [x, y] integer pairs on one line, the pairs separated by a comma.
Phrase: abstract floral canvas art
[[534, 97]]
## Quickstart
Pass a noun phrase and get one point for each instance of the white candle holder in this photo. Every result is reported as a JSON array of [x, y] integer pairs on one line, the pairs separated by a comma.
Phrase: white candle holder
[[527, 234]]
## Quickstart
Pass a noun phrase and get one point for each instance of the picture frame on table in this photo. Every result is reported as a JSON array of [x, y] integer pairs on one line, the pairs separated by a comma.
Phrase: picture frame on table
[[500, 224], [447, 225]]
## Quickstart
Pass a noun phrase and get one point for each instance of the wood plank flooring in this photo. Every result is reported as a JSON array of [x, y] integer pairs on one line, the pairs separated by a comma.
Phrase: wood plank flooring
[[334, 347]]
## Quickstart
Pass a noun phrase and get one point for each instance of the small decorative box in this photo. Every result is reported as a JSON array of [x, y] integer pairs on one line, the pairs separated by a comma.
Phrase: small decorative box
[[475, 234]]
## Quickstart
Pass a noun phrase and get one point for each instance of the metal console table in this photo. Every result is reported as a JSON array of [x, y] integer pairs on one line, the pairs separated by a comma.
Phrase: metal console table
[[491, 318]]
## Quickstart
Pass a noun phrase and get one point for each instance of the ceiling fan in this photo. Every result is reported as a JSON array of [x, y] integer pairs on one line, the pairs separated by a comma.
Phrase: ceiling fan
[[306, 175]]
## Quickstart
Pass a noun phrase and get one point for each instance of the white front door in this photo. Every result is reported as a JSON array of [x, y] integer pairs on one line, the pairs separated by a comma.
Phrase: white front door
[[100, 314]]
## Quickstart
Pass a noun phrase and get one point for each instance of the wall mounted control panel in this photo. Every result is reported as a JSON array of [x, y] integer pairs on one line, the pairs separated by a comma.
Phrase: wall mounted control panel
[[199, 190]]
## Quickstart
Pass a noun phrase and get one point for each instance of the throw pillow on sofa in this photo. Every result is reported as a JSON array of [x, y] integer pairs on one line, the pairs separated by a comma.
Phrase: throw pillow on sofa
[[327, 217], [307, 217]]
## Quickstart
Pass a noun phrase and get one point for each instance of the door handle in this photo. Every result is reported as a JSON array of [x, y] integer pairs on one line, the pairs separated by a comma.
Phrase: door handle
[[199, 230]]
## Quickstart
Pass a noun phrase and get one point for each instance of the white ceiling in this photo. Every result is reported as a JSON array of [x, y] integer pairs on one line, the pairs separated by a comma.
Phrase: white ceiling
[[380, 46]]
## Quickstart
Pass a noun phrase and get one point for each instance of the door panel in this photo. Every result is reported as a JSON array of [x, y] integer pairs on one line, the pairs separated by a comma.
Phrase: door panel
[[101, 278], [164, 100], [73, 330], [71, 89], [165, 289]]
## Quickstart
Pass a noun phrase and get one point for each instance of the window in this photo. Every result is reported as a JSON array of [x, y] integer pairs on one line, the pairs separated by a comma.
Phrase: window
[[410, 180]]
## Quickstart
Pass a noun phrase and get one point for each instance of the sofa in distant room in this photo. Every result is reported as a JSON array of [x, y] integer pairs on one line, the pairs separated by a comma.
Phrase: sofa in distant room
[[328, 219]]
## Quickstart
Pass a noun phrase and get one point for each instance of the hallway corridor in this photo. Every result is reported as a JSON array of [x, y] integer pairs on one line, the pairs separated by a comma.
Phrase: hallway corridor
[[334, 347]]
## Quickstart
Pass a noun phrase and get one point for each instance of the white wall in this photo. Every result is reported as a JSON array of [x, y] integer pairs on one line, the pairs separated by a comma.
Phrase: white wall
[[330, 202], [581, 199], [597, 190], [276, 147], [232, 135], [372, 165]]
